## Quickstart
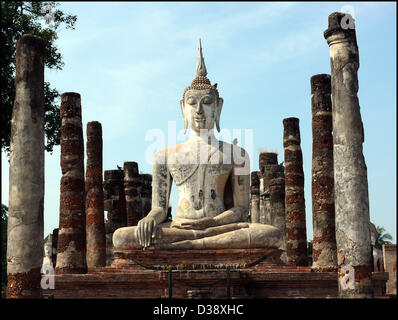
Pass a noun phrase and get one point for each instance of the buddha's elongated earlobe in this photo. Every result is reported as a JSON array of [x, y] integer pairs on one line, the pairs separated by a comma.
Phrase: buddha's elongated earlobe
[[183, 116], [219, 107]]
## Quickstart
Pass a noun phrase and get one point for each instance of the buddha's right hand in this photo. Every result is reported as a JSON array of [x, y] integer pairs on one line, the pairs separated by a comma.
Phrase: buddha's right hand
[[145, 231]]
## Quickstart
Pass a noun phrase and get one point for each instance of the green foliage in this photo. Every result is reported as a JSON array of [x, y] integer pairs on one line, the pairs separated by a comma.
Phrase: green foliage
[[383, 237], [4, 219], [17, 19]]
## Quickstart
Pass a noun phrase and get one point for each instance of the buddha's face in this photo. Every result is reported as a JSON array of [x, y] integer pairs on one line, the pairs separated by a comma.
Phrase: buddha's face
[[201, 109]]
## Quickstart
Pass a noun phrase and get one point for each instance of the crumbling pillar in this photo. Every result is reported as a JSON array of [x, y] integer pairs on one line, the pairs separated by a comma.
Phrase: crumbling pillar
[[95, 225], [296, 234], [115, 205], [255, 197], [324, 254], [276, 187], [146, 193], [26, 186], [266, 161], [132, 184], [350, 172], [71, 252]]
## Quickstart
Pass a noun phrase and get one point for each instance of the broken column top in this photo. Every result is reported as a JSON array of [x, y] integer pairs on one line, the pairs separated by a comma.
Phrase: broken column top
[[255, 181], [116, 175], [268, 158], [131, 169], [335, 22], [32, 41], [320, 81], [291, 129]]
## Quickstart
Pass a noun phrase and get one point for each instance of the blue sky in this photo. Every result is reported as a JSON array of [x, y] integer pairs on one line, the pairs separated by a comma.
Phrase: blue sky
[[131, 62]]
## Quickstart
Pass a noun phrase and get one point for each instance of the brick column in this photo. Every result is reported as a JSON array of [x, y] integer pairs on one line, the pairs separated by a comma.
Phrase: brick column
[[71, 252], [350, 172], [296, 234], [324, 254], [146, 194], [266, 160], [255, 197], [115, 205], [95, 226], [132, 184], [276, 187], [26, 184]]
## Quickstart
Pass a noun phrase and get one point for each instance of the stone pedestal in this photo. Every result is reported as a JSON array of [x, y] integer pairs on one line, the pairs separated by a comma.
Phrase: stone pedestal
[[296, 233], [323, 216], [350, 172], [26, 186], [71, 253], [95, 225]]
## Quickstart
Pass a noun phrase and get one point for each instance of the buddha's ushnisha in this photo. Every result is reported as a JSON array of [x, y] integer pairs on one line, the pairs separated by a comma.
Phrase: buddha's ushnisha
[[213, 201]]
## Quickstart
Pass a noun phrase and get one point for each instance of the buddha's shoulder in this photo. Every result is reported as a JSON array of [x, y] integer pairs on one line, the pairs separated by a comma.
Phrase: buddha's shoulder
[[162, 155]]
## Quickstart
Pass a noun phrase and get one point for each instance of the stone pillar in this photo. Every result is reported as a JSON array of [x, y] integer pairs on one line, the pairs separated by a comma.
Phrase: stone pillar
[[26, 186], [296, 234], [266, 161], [276, 187], [324, 254], [95, 225], [255, 197], [146, 194], [132, 184], [350, 172], [115, 205], [71, 252]]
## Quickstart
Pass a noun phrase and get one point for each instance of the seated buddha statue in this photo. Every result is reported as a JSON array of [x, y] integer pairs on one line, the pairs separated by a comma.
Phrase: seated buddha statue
[[213, 180]]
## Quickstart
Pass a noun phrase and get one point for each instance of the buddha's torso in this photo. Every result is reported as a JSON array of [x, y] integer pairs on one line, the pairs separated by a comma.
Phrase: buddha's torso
[[200, 184]]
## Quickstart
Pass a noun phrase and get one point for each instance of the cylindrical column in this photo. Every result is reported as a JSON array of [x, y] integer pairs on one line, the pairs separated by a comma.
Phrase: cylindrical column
[[350, 172], [146, 193], [296, 234], [255, 197], [131, 185], [26, 186], [324, 254], [95, 225], [266, 161], [71, 256], [276, 188], [115, 205]]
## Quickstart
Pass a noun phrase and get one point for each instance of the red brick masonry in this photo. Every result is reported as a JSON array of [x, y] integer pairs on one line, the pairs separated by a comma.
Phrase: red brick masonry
[[263, 280]]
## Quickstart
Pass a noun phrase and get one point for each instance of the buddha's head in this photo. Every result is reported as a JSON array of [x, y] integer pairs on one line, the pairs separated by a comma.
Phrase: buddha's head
[[201, 105]]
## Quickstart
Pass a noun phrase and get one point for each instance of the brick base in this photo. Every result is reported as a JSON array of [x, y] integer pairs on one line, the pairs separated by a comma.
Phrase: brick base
[[263, 279]]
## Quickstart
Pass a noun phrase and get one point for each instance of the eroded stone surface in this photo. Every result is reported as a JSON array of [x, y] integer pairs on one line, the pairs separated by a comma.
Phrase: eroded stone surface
[[71, 257], [350, 172], [26, 187]]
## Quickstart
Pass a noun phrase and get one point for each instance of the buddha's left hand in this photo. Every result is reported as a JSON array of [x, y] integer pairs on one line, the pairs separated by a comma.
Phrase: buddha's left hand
[[199, 224]]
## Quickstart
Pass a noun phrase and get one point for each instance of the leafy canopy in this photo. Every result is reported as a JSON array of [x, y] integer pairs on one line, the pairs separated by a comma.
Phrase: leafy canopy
[[17, 19]]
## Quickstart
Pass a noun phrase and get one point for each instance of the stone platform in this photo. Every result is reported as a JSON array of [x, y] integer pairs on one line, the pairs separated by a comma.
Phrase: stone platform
[[190, 274]]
